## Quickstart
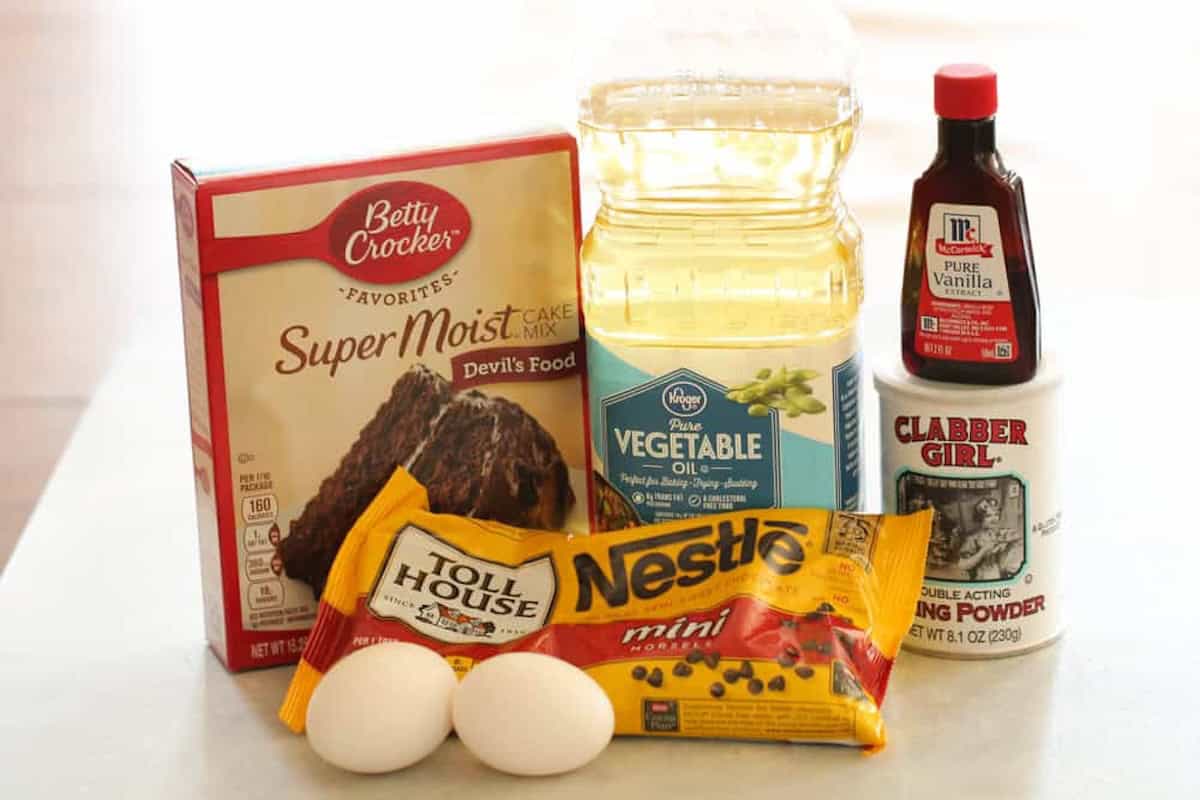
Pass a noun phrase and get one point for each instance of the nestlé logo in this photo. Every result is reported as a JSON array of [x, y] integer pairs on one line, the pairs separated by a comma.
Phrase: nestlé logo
[[641, 566]]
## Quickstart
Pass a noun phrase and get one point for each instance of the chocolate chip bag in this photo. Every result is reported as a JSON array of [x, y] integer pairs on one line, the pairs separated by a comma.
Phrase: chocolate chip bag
[[775, 624]]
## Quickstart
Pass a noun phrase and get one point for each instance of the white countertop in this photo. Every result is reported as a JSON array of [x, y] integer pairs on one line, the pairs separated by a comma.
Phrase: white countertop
[[107, 688]]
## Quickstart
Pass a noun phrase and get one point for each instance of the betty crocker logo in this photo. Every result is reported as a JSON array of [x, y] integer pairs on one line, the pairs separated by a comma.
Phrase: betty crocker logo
[[397, 232], [389, 233]]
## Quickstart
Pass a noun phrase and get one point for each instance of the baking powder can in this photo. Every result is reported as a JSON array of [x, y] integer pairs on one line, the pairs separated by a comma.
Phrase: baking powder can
[[986, 459]]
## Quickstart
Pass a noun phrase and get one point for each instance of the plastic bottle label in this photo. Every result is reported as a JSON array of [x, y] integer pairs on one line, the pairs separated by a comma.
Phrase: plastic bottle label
[[681, 432], [965, 310]]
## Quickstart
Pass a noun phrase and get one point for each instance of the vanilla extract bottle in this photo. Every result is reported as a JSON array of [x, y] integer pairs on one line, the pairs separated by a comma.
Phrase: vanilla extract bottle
[[969, 304]]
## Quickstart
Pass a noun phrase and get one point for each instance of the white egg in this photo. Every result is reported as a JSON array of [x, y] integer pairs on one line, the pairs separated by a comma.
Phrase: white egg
[[532, 714], [381, 708]]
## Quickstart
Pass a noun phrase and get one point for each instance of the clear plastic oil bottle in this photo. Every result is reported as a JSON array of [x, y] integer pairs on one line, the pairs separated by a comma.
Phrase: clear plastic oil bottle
[[723, 274]]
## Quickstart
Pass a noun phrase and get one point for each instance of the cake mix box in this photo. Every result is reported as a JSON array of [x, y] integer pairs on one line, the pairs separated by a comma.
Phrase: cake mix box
[[419, 310]]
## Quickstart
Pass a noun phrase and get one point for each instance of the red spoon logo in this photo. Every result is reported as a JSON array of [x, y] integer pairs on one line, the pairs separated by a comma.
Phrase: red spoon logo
[[396, 232], [390, 233]]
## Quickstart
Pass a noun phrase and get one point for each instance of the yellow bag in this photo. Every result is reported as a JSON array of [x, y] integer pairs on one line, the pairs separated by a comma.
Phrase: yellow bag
[[775, 624]]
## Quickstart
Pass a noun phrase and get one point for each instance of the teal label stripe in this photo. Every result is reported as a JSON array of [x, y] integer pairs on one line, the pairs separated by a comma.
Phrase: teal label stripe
[[724, 459], [847, 433], [606, 370]]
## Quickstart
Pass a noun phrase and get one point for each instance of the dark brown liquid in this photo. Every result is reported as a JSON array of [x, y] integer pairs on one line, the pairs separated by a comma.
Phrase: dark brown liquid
[[968, 170]]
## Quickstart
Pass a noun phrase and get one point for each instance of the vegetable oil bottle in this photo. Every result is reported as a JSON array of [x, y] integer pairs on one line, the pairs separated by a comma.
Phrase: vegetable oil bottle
[[722, 277]]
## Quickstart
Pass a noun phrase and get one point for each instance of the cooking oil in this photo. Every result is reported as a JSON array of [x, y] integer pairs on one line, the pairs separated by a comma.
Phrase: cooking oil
[[722, 283]]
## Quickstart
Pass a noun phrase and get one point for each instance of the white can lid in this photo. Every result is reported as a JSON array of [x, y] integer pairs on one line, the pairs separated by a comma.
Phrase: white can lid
[[891, 377]]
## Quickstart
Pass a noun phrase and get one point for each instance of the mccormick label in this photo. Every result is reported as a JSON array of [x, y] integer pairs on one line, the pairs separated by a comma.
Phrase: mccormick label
[[984, 461], [680, 432], [965, 310], [416, 311]]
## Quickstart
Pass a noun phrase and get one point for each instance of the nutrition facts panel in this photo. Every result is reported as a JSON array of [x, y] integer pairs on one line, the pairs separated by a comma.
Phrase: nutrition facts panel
[[261, 565], [270, 600]]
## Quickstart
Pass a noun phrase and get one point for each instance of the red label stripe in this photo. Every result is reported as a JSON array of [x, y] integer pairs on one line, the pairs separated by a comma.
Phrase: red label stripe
[[753, 630], [329, 637]]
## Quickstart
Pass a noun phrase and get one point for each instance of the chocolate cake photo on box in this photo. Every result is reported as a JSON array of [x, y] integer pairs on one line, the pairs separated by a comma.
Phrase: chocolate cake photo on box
[[477, 456]]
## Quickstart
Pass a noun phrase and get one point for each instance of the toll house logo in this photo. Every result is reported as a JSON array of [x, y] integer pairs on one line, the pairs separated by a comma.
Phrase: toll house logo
[[440, 615], [960, 441], [960, 237], [445, 594]]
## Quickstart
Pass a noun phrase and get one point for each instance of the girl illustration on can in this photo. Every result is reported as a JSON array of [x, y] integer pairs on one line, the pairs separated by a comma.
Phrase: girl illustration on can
[[990, 553]]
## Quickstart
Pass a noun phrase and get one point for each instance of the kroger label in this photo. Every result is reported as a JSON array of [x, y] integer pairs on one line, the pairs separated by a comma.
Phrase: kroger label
[[684, 398], [676, 447], [680, 432]]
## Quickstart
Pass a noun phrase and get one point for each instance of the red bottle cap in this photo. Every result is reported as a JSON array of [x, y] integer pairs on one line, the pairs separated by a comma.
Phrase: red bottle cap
[[964, 91]]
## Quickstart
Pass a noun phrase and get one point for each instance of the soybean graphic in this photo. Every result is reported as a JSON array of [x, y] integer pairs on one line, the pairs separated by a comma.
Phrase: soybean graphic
[[784, 389]]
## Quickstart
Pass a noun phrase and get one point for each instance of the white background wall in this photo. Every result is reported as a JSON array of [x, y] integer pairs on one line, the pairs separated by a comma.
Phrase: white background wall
[[1099, 112]]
